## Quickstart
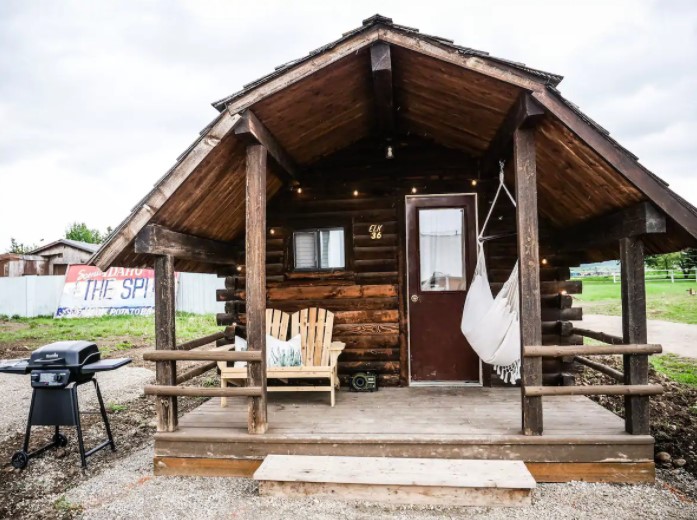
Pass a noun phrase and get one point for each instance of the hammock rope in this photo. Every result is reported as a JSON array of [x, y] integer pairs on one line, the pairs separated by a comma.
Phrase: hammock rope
[[491, 325]]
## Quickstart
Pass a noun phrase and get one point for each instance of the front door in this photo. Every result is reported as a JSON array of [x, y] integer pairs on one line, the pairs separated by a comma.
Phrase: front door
[[441, 257]]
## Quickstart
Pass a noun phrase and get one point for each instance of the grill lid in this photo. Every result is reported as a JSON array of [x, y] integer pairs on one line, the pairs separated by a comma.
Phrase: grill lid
[[65, 354]]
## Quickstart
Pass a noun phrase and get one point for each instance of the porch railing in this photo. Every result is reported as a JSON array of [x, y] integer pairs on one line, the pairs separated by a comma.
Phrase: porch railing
[[580, 353], [188, 351]]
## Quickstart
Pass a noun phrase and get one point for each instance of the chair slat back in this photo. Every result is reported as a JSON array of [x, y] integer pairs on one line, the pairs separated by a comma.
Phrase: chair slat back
[[277, 324], [315, 328]]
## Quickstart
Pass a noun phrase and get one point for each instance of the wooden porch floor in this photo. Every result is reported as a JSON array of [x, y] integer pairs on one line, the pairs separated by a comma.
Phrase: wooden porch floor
[[582, 440]]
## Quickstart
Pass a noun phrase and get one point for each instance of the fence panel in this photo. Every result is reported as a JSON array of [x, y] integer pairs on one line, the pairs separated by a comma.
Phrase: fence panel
[[196, 293], [30, 296]]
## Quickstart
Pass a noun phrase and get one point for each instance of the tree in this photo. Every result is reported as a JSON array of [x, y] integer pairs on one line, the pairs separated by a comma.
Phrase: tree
[[80, 232], [666, 261], [19, 247], [688, 260], [685, 260]]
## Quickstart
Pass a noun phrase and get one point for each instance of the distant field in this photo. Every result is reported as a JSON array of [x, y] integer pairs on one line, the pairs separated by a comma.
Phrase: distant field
[[112, 332], [665, 300]]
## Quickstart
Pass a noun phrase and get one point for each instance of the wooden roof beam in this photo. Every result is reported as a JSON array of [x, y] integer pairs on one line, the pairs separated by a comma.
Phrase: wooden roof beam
[[154, 239], [381, 67], [525, 113], [641, 219], [252, 131]]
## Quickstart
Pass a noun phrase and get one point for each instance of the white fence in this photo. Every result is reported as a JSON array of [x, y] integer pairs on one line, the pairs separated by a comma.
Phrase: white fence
[[30, 296], [196, 293]]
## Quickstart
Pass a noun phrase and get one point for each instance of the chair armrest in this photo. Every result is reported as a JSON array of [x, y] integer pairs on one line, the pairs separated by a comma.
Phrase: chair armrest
[[222, 348], [335, 350]]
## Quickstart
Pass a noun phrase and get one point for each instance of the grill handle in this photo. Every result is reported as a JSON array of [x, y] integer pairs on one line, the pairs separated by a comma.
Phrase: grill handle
[[49, 361]]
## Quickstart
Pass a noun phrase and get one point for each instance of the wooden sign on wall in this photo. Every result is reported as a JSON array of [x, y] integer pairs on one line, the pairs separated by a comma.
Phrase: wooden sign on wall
[[375, 231]]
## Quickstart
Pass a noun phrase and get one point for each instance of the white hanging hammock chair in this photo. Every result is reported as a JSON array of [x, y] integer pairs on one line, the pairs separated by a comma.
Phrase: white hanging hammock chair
[[491, 325]]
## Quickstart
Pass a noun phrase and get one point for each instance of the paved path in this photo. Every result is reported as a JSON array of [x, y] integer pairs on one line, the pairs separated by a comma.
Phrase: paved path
[[676, 338]]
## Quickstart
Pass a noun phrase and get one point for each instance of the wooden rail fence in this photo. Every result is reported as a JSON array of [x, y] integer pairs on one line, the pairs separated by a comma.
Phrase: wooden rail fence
[[579, 353]]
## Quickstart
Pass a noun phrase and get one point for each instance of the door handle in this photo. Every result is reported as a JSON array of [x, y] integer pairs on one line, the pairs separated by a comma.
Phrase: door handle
[[415, 298]]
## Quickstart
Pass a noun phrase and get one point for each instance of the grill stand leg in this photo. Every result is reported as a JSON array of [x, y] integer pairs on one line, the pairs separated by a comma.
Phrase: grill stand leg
[[105, 418], [27, 433], [20, 459], [76, 416]]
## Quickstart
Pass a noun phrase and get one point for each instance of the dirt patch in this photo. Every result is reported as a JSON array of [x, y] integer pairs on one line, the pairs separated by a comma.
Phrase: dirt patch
[[38, 491], [673, 414]]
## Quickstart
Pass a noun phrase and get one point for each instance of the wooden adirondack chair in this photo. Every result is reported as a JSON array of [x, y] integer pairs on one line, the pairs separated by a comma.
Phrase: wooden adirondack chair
[[318, 352]]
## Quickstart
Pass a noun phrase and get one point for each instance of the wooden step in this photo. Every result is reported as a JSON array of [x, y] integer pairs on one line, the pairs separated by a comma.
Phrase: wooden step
[[447, 482]]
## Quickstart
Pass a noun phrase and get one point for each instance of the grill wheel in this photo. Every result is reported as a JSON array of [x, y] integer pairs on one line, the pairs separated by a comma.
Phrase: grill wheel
[[20, 459], [60, 440]]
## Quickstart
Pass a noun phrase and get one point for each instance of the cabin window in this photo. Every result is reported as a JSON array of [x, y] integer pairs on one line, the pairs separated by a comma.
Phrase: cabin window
[[319, 249]]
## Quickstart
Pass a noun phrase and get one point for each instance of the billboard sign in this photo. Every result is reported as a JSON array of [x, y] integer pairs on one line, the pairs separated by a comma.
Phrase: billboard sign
[[89, 292]]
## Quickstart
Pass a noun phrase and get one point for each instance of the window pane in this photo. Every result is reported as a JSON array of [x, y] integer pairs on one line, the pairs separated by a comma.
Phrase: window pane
[[332, 248], [442, 249], [305, 250]]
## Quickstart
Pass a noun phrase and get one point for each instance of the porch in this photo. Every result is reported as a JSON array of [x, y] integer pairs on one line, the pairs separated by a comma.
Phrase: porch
[[582, 441]]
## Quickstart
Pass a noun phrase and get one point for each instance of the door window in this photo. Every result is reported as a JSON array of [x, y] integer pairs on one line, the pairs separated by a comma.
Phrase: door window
[[442, 249]]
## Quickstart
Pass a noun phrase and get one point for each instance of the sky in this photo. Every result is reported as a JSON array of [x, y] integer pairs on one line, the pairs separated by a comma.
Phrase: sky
[[98, 98]]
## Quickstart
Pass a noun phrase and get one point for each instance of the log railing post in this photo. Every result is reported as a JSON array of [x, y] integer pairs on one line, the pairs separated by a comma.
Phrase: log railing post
[[255, 241], [634, 331], [529, 271], [165, 339]]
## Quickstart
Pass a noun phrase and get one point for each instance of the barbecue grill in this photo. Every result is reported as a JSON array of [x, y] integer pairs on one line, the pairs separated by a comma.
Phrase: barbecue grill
[[56, 372]]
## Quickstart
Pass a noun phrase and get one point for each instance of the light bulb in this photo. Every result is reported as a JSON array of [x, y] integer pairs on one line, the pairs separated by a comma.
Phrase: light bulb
[[413, 190], [355, 193]]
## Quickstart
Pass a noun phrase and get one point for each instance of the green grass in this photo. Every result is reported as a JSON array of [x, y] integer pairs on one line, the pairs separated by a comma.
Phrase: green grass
[[113, 407], [112, 332], [682, 370], [664, 300]]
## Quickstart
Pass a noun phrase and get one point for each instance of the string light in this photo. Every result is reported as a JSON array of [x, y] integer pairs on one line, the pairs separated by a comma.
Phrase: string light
[[299, 190], [239, 268], [474, 182], [389, 152], [563, 292], [355, 193], [413, 190], [272, 231], [544, 261]]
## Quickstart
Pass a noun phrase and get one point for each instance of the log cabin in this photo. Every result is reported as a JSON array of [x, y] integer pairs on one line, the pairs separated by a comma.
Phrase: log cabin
[[356, 179]]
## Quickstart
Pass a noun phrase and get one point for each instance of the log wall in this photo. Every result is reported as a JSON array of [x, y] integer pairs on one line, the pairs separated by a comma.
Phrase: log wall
[[367, 297]]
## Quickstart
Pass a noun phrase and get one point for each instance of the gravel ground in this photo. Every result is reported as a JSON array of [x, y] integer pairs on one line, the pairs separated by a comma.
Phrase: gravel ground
[[677, 338], [129, 487], [117, 387]]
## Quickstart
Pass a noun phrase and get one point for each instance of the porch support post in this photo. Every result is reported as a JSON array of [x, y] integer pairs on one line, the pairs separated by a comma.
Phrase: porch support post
[[255, 265], [165, 339], [634, 331], [529, 266]]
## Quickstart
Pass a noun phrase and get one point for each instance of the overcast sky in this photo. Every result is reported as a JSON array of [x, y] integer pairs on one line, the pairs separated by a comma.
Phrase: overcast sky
[[98, 98]]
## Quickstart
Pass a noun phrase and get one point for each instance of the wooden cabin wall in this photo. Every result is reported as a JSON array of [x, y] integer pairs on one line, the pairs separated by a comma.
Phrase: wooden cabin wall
[[367, 298]]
